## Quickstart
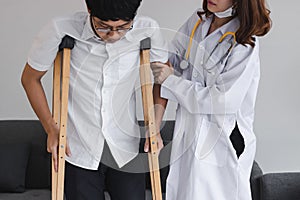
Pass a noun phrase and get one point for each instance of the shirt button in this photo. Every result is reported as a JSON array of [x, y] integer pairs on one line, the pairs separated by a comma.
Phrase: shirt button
[[195, 74]]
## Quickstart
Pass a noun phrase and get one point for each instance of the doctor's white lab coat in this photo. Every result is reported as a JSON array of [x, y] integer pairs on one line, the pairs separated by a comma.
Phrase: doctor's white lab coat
[[214, 94]]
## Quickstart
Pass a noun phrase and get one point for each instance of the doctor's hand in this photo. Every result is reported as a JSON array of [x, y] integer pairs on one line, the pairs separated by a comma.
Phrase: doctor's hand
[[161, 71], [52, 145], [160, 143]]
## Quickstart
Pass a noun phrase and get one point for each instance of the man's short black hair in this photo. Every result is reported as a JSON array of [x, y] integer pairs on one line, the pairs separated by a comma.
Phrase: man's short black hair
[[113, 9]]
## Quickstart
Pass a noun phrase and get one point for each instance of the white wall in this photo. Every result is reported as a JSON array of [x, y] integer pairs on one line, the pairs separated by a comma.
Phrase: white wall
[[277, 111]]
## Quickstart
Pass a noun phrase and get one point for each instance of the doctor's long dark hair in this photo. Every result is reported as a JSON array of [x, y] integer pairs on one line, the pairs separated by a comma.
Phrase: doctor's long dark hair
[[254, 19]]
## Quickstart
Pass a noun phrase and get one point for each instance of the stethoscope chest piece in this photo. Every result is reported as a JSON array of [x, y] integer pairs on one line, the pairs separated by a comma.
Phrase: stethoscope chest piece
[[184, 64]]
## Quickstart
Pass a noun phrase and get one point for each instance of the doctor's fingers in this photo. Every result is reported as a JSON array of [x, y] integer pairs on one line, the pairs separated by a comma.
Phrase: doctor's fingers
[[159, 80], [157, 70], [157, 73], [162, 70], [158, 65]]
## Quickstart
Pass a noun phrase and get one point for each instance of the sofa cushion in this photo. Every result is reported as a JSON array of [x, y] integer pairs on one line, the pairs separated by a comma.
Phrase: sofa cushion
[[14, 159]]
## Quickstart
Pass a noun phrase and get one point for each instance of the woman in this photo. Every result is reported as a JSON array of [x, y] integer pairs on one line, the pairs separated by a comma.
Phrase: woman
[[214, 79]]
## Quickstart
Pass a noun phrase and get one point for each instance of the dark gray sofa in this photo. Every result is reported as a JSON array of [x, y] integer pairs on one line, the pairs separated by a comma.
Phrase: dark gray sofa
[[28, 168], [35, 182], [274, 186]]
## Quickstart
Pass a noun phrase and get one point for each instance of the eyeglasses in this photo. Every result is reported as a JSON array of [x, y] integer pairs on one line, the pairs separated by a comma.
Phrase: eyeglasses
[[108, 29]]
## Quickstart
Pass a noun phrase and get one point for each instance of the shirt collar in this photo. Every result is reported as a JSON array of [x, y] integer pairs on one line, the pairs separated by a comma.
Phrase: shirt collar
[[231, 26], [203, 17], [87, 32]]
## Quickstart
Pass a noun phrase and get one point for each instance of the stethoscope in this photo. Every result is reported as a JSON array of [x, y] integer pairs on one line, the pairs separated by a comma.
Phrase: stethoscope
[[184, 63]]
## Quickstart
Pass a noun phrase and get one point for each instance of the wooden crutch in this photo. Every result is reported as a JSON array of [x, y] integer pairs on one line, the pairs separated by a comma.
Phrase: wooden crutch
[[61, 77], [149, 117]]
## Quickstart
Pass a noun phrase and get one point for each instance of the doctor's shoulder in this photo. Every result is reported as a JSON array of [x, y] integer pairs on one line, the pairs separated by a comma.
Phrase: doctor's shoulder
[[245, 51]]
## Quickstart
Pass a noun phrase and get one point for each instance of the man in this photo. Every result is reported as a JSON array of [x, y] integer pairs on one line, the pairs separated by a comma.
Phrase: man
[[101, 110]]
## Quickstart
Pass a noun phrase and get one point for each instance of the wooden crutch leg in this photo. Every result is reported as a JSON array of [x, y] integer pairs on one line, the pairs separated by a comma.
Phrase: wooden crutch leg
[[56, 111], [149, 117], [61, 77]]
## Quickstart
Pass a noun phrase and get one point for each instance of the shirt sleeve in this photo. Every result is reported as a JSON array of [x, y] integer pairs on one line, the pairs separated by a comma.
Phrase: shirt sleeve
[[226, 95], [159, 47], [44, 48]]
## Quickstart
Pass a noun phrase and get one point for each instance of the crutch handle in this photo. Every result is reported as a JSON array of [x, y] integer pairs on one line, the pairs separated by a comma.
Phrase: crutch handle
[[67, 42]]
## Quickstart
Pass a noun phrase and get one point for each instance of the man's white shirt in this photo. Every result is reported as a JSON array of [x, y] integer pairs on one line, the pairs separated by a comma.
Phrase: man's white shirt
[[103, 80]]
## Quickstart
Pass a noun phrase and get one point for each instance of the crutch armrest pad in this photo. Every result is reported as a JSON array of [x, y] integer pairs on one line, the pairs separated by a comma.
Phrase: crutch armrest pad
[[67, 42]]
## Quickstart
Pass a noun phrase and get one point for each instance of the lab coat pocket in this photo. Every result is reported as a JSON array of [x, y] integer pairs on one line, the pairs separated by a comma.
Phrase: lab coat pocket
[[211, 146]]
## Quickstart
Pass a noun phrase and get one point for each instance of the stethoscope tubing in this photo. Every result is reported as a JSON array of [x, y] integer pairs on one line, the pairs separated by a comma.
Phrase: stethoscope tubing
[[184, 63]]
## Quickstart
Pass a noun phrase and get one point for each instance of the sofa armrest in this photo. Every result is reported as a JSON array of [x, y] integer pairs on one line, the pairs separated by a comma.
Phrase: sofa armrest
[[256, 173], [278, 186]]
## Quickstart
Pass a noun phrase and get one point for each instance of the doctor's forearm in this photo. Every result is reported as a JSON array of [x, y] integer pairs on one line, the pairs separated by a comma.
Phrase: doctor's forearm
[[198, 99]]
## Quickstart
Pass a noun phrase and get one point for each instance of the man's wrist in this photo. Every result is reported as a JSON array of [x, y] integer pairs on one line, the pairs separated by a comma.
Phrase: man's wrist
[[50, 126]]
